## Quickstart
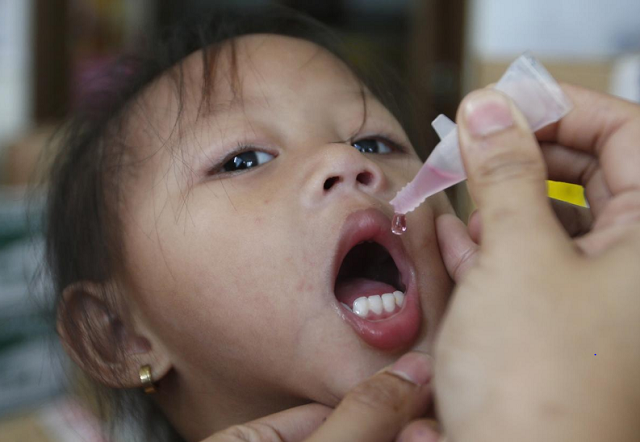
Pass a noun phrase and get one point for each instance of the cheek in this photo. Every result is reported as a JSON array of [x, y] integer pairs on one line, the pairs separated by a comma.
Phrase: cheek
[[201, 286]]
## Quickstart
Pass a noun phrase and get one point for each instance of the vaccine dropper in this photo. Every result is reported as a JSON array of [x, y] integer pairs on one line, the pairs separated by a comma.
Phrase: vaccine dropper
[[534, 91]]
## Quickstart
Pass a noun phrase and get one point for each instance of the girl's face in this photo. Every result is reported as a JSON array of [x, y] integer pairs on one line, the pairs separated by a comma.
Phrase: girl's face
[[243, 231]]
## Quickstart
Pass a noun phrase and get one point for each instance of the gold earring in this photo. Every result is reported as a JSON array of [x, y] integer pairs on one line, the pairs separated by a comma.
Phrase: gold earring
[[146, 379]]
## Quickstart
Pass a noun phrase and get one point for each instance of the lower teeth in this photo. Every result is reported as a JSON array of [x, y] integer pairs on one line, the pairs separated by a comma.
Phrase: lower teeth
[[375, 306]]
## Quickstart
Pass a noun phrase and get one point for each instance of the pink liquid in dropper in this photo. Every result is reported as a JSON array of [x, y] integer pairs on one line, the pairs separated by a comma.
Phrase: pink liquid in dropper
[[429, 181], [399, 224], [435, 180]]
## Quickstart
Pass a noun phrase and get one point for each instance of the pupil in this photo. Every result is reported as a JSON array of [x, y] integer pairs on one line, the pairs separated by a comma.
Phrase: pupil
[[242, 161], [366, 146]]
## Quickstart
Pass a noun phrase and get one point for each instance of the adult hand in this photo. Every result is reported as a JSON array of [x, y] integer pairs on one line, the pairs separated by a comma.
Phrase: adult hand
[[377, 410], [542, 337]]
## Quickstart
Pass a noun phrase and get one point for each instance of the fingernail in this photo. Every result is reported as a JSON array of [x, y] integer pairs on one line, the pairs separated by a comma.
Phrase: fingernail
[[487, 113], [416, 368]]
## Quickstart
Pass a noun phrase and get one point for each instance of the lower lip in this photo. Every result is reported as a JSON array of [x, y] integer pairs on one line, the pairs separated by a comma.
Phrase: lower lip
[[394, 333]]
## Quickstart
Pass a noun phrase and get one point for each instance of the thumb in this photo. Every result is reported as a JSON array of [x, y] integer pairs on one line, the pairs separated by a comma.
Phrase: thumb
[[506, 172], [291, 425], [377, 409], [374, 411]]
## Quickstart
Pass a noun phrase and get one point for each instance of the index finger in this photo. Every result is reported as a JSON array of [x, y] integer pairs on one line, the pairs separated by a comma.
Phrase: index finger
[[606, 127]]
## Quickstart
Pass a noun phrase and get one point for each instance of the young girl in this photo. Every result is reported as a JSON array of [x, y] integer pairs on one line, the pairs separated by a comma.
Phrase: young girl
[[219, 230]]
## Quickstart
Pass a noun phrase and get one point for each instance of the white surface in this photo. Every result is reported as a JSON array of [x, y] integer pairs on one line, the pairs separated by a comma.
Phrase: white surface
[[576, 29], [15, 67], [625, 79]]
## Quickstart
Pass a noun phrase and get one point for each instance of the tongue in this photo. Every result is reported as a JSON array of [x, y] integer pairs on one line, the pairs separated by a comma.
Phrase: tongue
[[349, 290]]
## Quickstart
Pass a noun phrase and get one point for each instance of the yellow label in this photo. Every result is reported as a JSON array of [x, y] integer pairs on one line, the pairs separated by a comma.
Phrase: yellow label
[[570, 193]]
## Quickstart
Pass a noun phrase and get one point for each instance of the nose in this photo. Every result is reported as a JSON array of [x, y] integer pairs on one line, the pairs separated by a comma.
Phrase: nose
[[339, 169]]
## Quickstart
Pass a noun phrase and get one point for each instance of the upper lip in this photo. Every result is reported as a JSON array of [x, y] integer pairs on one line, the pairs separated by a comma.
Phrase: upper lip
[[372, 225]]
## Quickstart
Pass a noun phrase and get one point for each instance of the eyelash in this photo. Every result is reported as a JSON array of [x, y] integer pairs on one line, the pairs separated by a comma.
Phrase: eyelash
[[388, 139], [241, 148]]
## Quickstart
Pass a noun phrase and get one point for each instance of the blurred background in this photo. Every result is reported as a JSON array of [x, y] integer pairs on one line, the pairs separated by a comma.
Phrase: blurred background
[[442, 49]]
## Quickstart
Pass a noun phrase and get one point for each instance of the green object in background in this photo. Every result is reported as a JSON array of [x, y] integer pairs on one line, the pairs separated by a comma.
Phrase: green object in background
[[14, 222], [31, 363]]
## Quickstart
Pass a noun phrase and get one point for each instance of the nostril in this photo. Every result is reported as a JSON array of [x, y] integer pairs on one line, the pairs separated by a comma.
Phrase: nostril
[[328, 184], [364, 178]]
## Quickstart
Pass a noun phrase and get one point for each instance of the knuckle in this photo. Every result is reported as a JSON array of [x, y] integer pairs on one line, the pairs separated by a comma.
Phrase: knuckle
[[507, 216], [465, 262], [251, 432], [510, 165], [380, 395]]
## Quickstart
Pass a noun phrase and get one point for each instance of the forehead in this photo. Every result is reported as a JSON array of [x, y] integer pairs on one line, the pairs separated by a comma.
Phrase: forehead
[[289, 60], [251, 70]]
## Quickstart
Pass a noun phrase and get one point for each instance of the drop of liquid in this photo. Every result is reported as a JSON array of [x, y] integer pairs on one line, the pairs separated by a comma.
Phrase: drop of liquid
[[399, 224]]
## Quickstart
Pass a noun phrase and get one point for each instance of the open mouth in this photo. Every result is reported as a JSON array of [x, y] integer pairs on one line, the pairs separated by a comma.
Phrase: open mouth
[[375, 283], [369, 283]]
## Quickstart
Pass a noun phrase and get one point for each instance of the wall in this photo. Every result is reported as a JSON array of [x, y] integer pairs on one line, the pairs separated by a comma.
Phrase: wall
[[15, 67], [566, 29]]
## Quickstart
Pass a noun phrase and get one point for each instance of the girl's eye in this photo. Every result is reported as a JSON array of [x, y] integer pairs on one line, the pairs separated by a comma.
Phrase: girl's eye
[[247, 160], [373, 145]]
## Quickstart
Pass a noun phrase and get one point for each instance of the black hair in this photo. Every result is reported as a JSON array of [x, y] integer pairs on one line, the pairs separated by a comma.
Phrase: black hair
[[93, 158]]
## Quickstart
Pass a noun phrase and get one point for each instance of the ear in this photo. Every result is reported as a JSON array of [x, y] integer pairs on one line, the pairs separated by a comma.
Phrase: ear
[[107, 347]]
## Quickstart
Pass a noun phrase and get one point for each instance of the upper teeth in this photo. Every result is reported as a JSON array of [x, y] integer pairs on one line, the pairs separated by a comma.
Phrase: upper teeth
[[377, 303]]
